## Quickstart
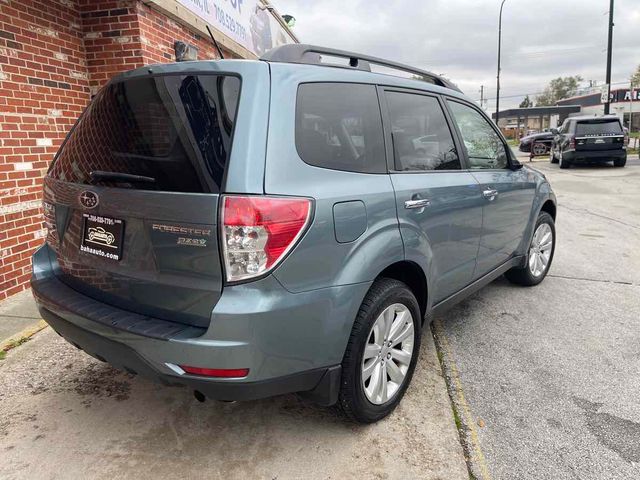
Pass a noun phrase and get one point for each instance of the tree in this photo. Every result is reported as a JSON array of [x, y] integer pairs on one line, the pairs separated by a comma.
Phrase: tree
[[526, 103], [635, 78], [558, 88]]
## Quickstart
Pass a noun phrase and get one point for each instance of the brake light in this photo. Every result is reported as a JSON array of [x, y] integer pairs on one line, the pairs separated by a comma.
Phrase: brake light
[[216, 372], [572, 143], [257, 232]]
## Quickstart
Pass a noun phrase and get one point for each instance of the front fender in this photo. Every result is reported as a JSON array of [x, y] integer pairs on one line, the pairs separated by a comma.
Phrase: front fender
[[543, 194]]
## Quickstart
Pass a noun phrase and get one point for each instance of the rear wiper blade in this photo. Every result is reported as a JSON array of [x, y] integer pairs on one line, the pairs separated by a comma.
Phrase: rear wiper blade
[[115, 176]]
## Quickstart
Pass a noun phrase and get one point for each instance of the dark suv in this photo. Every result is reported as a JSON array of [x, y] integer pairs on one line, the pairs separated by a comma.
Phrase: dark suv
[[589, 140], [253, 228]]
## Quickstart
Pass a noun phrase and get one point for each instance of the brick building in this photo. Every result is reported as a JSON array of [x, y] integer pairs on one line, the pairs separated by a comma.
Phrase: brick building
[[55, 54]]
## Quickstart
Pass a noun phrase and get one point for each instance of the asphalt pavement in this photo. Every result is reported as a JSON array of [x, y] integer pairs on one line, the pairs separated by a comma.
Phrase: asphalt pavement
[[546, 379]]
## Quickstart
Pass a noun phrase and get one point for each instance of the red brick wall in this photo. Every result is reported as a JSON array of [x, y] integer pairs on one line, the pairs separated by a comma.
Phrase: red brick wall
[[43, 89], [159, 33], [119, 36], [111, 38], [53, 56]]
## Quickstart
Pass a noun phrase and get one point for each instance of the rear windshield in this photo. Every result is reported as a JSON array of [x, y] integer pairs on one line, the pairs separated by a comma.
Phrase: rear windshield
[[170, 133], [610, 127]]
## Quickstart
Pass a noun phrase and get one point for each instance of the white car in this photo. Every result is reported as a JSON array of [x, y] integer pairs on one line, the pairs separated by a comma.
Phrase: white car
[[100, 235]]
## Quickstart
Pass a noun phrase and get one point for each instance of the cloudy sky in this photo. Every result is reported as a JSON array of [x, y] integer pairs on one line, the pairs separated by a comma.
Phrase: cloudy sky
[[541, 39]]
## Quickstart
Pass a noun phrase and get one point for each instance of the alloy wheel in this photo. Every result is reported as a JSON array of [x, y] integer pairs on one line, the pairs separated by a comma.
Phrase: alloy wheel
[[540, 249], [539, 149], [388, 354]]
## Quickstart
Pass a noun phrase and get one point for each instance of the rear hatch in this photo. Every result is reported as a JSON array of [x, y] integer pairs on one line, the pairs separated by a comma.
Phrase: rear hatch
[[131, 200], [599, 134]]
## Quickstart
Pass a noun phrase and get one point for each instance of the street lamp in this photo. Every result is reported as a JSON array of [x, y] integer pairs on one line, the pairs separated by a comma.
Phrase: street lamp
[[498, 76]]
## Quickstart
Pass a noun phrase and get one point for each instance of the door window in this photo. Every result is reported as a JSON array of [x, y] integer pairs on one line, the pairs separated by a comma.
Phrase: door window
[[484, 146], [339, 126], [421, 137]]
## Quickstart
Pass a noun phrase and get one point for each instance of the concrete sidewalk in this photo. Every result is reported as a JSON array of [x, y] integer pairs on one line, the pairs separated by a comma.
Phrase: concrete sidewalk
[[17, 314]]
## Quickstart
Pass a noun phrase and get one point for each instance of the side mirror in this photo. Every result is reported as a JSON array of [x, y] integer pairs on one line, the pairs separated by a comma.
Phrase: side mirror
[[554, 131], [515, 164]]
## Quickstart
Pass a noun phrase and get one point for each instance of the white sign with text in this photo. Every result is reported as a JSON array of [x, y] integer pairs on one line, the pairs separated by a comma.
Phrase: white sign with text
[[246, 22]]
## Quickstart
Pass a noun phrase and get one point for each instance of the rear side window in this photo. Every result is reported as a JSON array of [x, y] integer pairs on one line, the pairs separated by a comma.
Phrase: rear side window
[[421, 137], [610, 127], [173, 130], [339, 126]]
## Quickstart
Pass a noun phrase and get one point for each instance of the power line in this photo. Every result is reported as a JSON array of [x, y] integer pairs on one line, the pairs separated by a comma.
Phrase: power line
[[542, 53], [626, 82]]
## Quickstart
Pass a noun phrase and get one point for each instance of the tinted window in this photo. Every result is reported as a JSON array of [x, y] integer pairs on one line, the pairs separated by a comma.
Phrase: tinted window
[[611, 127], [175, 130], [484, 146], [421, 137], [338, 126]]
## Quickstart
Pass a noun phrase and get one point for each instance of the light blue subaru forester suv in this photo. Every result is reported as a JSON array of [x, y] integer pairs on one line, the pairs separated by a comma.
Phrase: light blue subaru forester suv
[[253, 228]]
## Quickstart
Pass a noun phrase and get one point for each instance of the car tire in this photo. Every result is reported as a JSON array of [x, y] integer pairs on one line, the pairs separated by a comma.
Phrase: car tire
[[528, 275], [563, 163], [619, 162], [539, 149], [359, 399]]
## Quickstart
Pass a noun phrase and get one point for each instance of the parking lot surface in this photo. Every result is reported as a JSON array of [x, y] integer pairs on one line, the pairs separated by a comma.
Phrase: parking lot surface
[[65, 415], [546, 378]]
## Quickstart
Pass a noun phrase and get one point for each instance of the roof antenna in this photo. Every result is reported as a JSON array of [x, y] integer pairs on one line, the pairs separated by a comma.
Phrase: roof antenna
[[215, 43]]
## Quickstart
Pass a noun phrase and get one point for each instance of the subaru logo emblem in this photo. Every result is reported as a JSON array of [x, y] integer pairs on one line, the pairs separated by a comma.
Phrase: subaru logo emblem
[[88, 199]]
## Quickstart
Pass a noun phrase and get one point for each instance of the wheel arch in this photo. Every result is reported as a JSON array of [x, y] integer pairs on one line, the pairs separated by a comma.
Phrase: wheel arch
[[550, 207], [411, 274]]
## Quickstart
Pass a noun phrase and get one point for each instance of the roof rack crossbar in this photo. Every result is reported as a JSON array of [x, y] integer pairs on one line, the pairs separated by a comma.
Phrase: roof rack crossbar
[[312, 55]]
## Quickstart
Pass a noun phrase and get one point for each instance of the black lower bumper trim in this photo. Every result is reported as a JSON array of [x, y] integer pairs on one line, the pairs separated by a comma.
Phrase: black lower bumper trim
[[322, 383], [52, 293], [594, 155]]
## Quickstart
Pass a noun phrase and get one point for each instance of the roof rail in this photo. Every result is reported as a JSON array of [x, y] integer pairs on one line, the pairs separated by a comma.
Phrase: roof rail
[[312, 55]]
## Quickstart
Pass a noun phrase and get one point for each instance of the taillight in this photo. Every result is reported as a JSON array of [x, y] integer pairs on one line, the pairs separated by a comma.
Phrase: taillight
[[572, 143], [257, 232]]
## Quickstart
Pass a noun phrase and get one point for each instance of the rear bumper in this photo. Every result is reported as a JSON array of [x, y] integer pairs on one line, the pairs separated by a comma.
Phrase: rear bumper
[[289, 342], [594, 155], [320, 385]]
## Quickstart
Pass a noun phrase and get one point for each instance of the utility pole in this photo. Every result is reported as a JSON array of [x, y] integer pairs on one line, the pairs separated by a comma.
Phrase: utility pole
[[498, 76], [609, 48], [482, 96], [631, 92]]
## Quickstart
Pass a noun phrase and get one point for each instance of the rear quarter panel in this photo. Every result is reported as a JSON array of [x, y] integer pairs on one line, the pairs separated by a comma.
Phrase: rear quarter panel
[[319, 260]]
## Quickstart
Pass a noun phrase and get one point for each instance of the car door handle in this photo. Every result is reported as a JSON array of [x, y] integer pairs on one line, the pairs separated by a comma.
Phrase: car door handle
[[490, 193], [421, 203]]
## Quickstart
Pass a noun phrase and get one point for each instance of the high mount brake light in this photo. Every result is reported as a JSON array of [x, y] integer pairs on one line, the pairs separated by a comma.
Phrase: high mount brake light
[[258, 231]]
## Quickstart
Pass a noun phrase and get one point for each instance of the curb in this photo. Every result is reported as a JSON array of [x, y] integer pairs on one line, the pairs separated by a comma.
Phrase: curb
[[465, 422], [21, 337]]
